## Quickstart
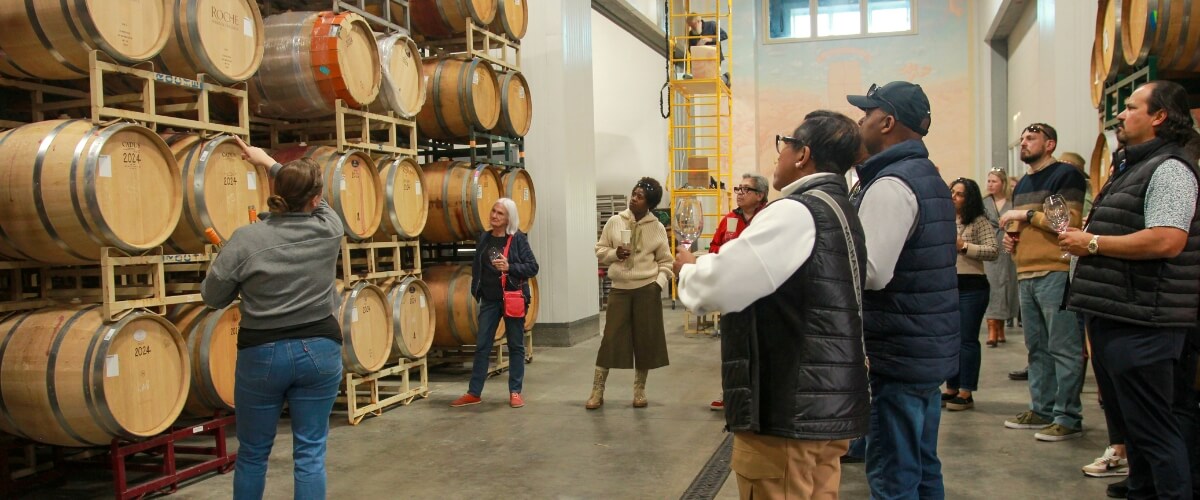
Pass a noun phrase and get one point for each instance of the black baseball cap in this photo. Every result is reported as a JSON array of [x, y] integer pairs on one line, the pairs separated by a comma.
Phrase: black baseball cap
[[906, 101]]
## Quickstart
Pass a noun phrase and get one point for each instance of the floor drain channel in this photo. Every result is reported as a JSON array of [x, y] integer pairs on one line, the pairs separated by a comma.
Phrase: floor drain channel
[[712, 477]]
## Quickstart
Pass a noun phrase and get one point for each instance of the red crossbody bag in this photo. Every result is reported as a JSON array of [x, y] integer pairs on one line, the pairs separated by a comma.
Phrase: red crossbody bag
[[514, 301]]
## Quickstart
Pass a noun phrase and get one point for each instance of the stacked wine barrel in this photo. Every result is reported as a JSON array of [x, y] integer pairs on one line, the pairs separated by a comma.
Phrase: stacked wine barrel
[[1128, 34], [467, 96]]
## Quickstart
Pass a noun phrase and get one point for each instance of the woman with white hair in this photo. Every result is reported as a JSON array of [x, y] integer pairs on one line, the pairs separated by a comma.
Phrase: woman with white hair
[[503, 262]]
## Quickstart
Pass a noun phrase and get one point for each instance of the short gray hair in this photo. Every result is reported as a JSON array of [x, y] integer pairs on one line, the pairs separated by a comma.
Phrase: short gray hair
[[760, 183], [514, 217]]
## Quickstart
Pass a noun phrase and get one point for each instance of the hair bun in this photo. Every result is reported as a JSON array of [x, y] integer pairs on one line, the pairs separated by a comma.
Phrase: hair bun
[[277, 204]]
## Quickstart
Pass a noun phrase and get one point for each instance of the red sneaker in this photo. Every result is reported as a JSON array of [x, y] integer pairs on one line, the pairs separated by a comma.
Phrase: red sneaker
[[466, 400], [717, 405], [515, 401]]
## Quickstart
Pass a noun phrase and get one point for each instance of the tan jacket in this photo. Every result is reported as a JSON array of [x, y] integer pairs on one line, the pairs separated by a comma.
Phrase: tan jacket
[[651, 260]]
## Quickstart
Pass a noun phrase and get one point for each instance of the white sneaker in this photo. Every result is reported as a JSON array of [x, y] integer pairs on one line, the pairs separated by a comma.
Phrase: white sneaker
[[1107, 465]]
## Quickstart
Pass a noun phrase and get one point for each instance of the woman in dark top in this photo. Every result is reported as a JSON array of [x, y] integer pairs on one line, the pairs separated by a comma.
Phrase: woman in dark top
[[289, 342], [503, 262], [976, 245]]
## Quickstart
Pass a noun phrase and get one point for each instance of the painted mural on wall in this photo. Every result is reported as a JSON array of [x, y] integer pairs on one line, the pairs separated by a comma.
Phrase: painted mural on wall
[[792, 78]]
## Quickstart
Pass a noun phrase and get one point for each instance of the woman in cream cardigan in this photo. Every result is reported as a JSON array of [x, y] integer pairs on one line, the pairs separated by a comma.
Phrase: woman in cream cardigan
[[635, 246]]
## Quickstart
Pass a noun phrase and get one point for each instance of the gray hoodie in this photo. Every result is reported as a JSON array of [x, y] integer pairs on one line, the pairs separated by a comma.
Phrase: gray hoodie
[[284, 268]]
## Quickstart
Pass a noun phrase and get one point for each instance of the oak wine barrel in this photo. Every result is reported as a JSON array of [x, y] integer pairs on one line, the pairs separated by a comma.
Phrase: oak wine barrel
[[407, 201], [534, 301], [1099, 166], [403, 88], [221, 38], [220, 190], [1161, 28], [69, 378], [1108, 35], [518, 186], [366, 320], [211, 336], [312, 59], [70, 188], [512, 19], [1097, 75], [413, 317], [460, 200], [53, 40], [461, 95], [353, 188], [457, 311], [516, 105], [448, 18]]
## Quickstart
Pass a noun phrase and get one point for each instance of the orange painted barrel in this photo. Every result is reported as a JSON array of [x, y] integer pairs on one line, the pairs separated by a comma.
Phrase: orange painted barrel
[[518, 186], [211, 336], [403, 88], [460, 200], [53, 40], [220, 190], [512, 19], [221, 38], [311, 60], [71, 188], [461, 95], [407, 208], [448, 18], [366, 320], [516, 105], [413, 317], [69, 378], [352, 186], [457, 311]]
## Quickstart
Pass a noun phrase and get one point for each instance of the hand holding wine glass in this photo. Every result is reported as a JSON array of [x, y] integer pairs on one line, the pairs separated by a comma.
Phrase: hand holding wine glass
[[688, 220]]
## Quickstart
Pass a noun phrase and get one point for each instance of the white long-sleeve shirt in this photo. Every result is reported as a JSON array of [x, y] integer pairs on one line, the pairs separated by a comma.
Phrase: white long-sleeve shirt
[[755, 264], [888, 212]]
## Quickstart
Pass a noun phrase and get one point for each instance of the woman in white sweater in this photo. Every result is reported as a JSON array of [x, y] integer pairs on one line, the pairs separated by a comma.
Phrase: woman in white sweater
[[635, 246]]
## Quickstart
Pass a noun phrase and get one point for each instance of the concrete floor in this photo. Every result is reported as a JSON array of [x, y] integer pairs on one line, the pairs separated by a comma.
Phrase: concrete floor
[[553, 448]]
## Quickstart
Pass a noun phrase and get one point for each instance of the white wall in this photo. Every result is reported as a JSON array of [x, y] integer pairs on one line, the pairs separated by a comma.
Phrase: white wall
[[652, 9], [631, 135]]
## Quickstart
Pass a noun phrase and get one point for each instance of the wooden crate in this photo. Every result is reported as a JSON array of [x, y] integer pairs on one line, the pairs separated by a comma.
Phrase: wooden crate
[[379, 260], [478, 43], [348, 128], [371, 394]]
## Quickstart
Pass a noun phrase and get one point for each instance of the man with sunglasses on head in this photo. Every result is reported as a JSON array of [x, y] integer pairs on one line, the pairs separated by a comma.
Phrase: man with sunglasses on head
[[910, 305], [1052, 336], [751, 197]]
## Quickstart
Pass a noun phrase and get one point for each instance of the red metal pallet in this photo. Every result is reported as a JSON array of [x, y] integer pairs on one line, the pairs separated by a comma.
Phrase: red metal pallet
[[167, 445]]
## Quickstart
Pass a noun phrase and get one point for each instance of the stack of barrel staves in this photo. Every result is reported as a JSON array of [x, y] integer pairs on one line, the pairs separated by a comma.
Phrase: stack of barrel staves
[[472, 125], [342, 90], [103, 231], [1138, 41]]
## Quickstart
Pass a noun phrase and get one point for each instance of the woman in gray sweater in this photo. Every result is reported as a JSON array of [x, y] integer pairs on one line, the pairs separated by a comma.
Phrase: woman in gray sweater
[[289, 342]]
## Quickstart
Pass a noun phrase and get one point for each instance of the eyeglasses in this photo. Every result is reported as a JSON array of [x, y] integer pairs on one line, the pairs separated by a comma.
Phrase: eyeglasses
[[780, 139], [744, 189], [873, 93], [1043, 129]]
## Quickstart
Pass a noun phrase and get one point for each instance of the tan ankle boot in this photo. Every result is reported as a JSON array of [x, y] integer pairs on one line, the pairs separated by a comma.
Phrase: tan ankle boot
[[995, 329], [597, 398], [639, 389]]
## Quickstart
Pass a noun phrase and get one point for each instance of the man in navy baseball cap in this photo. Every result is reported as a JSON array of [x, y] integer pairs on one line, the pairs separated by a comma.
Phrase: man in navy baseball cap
[[903, 100]]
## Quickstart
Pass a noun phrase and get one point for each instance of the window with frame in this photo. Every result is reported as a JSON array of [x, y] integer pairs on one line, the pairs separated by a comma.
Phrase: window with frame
[[817, 19]]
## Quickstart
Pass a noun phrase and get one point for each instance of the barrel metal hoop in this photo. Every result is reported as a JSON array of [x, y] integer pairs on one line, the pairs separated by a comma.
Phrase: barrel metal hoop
[[45, 40], [441, 10], [101, 348], [189, 195], [212, 317], [505, 123], [51, 392], [389, 191], [12, 424], [349, 309], [466, 94], [447, 216], [198, 185], [92, 31], [76, 205], [89, 182], [39, 160], [437, 92], [194, 46]]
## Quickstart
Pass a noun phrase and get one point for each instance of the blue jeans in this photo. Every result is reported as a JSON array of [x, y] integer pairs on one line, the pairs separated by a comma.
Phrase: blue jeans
[[971, 306], [490, 314], [306, 374], [1056, 356], [902, 459]]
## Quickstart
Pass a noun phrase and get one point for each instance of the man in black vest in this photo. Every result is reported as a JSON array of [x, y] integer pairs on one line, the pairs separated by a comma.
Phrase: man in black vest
[[910, 309], [1138, 281], [794, 371]]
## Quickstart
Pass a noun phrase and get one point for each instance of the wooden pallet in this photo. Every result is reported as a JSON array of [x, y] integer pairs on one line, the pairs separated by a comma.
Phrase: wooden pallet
[[478, 43], [120, 282], [499, 359], [163, 100], [348, 128], [371, 394], [379, 260]]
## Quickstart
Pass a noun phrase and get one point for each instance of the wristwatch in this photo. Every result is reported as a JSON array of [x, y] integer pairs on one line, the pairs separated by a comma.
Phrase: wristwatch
[[1094, 245], [1029, 215]]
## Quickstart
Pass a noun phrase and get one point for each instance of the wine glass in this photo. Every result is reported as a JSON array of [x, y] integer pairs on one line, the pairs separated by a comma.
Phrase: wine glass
[[495, 254], [688, 219], [1057, 215]]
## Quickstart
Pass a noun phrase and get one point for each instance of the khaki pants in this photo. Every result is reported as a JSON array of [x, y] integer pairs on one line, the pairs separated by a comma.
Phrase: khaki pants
[[770, 467]]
